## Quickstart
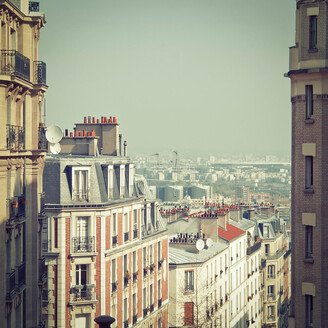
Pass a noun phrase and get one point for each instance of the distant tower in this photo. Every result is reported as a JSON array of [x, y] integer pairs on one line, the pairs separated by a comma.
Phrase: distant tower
[[309, 96]]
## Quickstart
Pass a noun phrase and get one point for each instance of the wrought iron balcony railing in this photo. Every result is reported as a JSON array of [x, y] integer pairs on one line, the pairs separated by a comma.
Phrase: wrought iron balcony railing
[[126, 236], [15, 137], [40, 72], [80, 293], [134, 318], [159, 302], [114, 240], [135, 276], [16, 207], [135, 233], [16, 64], [271, 296], [114, 287], [21, 275], [83, 244], [126, 323], [42, 141], [11, 284]]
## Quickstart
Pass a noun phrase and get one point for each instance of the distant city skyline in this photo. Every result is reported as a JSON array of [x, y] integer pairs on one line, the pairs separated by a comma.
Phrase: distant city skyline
[[203, 77]]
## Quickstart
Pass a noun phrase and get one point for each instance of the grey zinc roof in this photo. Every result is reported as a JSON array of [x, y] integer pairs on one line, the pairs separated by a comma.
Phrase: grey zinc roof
[[179, 255], [243, 224]]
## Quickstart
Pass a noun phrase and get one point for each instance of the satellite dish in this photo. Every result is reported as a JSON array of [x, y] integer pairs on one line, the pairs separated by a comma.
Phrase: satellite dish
[[209, 242], [54, 134], [55, 148], [200, 244]]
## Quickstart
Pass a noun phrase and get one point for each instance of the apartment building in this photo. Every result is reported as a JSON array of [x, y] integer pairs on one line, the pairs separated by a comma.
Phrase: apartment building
[[22, 150], [275, 257], [199, 282], [105, 243], [309, 94]]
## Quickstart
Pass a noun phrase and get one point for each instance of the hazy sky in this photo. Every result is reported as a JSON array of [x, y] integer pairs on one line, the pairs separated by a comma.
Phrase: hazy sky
[[201, 76]]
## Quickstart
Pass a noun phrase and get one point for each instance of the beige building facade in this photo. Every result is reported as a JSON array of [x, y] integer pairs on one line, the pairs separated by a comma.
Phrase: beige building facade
[[22, 149]]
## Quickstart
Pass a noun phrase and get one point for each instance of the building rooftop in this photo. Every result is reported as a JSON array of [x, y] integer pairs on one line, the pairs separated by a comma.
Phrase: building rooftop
[[178, 254], [230, 233]]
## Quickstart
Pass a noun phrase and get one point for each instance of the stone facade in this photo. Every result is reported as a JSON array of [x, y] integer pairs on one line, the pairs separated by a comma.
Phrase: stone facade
[[22, 150]]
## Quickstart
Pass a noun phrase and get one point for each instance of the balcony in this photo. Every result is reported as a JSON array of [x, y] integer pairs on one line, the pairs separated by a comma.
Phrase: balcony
[[145, 311], [11, 285], [271, 317], [151, 309], [145, 271], [40, 72], [83, 244], [160, 303], [13, 63], [114, 240], [16, 207], [43, 270], [15, 137], [83, 293], [114, 287], [134, 318], [33, 6], [134, 276], [152, 268], [126, 324], [252, 249], [21, 275], [126, 280], [160, 263], [42, 141], [135, 233], [126, 236], [271, 297]]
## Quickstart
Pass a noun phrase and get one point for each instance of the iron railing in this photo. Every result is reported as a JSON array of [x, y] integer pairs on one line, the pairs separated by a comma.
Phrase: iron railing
[[42, 141], [16, 64], [135, 233], [134, 276], [16, 207], [83, 293], [126, 236], [15, 137], [114, 240], [33, 6], [21, 275], [114, 287], [11, 284], [159, 302], [252, 249], [83, 244], [40, 72], [43, 270], [134, 318]]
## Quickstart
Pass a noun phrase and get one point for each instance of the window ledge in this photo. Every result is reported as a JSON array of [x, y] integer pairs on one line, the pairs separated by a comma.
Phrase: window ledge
[[309, 260], [308, 191], [309, 120], [313, 50]]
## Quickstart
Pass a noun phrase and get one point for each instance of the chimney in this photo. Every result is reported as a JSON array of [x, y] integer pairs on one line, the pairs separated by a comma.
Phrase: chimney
[[125, 144], [120, 144]]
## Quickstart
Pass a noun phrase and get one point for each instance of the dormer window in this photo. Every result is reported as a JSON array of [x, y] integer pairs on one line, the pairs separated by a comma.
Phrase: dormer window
[[81, 184]]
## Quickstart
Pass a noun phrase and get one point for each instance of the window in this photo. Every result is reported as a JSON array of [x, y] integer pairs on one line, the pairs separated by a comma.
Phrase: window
[[271, 291], [81, 274], [159, 251], [271, 271], [126, 227], [271, 312], [125, 263], [145, 303], [114, 229], [313, 32], [308, 242], [134, 261], [134, 304], [308, 311], [125, 313], [114, 271], [189, 280], [151, 260], [151, 294], [82, 242], [144, 251], [309, 101], [159, 290], [309, 172], [189, 313], [267, 249], [135, 223], [80, 185]]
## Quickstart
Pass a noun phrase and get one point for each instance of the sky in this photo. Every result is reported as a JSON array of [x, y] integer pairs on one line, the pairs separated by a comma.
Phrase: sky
[[196, 76]]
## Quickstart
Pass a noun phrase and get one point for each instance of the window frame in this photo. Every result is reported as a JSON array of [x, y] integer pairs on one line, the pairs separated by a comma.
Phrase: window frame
[[189, 281], [309, 101], [313, 32], [308, 242], [308, 173], [79, 195]]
